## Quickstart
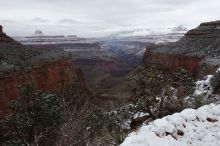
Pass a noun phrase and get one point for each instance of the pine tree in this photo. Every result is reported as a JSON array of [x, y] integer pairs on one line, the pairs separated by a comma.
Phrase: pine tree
[[184, 80], [146, 86], [34, 118]]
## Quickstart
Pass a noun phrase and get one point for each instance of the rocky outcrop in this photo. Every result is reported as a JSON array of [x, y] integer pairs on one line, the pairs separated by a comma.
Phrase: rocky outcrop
[[171, 62], [4, 38], [179, 29], [198, 51], [50, 69], [1, 29], [51, 77]]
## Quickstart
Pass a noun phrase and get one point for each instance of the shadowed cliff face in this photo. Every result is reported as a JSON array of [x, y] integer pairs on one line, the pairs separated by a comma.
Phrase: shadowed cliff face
[[1, 29], [197, 52], [50, 70], [4, 38]]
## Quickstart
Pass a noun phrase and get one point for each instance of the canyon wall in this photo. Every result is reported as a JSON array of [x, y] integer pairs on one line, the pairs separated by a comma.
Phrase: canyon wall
[[197, 51], [51, 77], [171, 62], [51, 70]]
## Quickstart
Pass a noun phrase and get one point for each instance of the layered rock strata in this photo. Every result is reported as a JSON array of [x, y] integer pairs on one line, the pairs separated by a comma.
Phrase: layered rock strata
[[198, 51], [50, 69]]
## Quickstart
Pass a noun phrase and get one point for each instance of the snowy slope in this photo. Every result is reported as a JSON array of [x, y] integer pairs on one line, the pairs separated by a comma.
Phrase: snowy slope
[[191, 127], [181, 30], [136, 32]]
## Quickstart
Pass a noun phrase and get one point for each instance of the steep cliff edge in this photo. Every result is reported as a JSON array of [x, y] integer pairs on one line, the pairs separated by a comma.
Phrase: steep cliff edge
[[171, 62], [50, 69], [3, 37], [198, 51]]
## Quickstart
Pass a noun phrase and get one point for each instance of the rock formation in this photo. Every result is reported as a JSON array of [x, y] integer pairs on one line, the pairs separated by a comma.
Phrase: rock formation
[[171, 62], [1, 29], [50, 69], [198, 51], [4, 38], [179, 29], [38, 33]]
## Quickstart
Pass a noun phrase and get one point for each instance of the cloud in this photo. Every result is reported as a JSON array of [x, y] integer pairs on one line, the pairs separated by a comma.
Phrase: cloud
[[68, 21], [99, 17], [7, 21], [39, 20]]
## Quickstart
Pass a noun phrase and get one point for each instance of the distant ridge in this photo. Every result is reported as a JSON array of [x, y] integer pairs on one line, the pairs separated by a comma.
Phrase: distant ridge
[[197, 51]]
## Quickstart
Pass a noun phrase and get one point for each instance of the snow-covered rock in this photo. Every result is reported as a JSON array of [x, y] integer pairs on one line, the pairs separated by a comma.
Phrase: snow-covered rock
[[204, 86], [179, 29], [191, 127], [135, 32], [38, 33]]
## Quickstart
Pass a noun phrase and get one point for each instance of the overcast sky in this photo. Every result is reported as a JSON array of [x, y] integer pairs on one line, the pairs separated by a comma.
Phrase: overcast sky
[[101, 17]]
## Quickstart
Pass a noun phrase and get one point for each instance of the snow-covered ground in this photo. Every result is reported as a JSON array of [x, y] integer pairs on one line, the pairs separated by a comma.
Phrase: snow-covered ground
[[191, 127]]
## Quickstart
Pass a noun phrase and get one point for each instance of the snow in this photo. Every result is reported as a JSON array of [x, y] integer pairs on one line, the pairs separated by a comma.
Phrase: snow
[[150, 31], [139, 115], [191, 127], [179, 29], [204, 86], [138, 32], [218, 70]]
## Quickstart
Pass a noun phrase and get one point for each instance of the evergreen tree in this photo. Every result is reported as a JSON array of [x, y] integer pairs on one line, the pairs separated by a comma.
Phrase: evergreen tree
[[184, 80], [146, 86], [34, 119]]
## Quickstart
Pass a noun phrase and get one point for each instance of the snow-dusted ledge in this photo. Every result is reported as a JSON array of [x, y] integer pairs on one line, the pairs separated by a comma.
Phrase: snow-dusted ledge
[[191, 127]]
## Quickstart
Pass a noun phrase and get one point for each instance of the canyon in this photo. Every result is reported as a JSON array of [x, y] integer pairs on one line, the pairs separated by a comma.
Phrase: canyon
[[57, 63], [49, 69], [107, 61]]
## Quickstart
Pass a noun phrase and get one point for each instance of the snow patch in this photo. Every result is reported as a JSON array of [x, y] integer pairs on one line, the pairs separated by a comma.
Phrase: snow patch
[[204, 86], [218, 70]]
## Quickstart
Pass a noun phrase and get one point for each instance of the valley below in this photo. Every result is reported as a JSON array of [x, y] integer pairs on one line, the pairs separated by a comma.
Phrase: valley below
[[106, 62]]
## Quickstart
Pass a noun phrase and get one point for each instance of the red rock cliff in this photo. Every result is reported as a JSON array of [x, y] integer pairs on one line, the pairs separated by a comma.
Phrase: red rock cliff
[[51, 77], [198, 51], [171, 62], [50, 70]]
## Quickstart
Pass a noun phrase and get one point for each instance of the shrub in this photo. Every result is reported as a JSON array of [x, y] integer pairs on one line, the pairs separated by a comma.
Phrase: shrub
[[34, 118], [152, 91], [184, 80]]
